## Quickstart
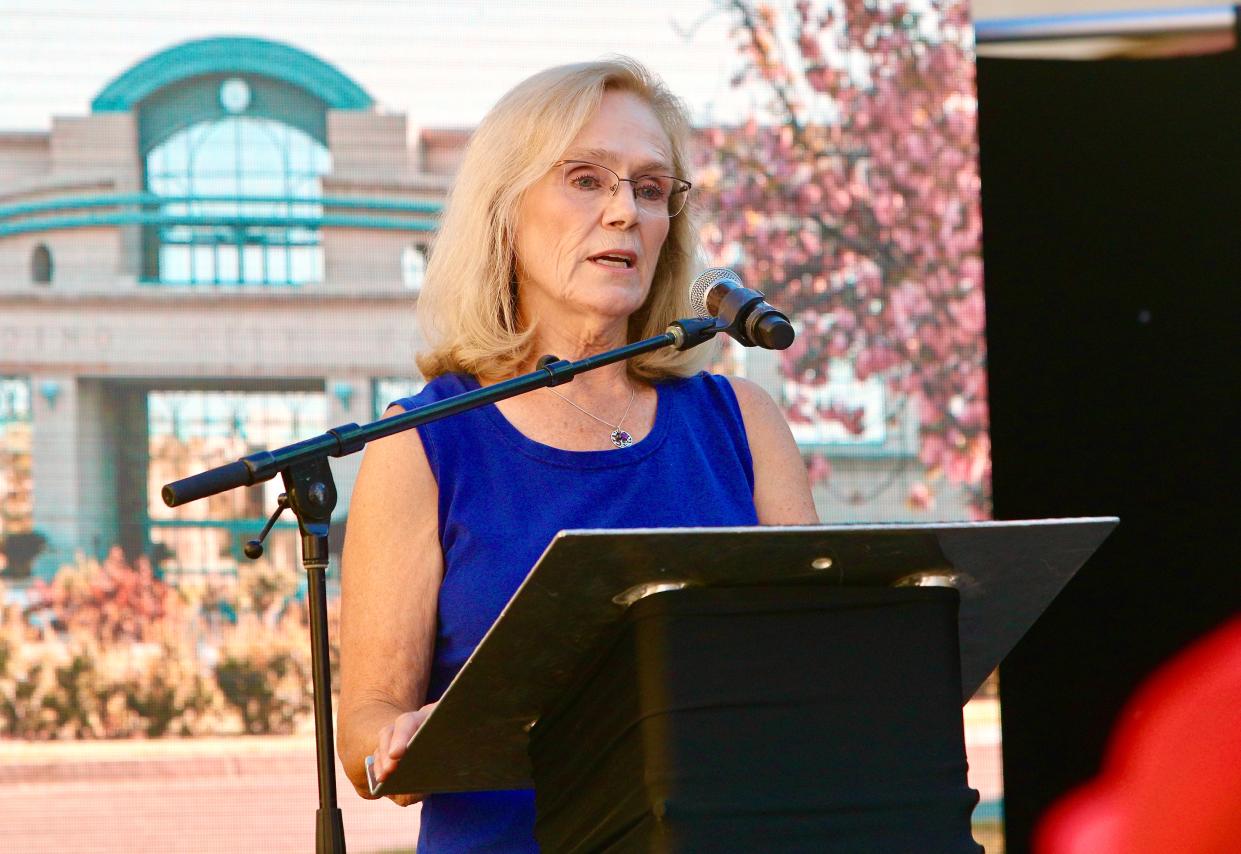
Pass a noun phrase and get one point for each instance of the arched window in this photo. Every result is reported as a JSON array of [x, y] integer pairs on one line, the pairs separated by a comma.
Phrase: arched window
[[243, 203], [41, 265]]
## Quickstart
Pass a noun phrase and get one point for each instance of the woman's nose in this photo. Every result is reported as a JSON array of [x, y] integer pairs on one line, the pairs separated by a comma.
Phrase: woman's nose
[[622, 204]]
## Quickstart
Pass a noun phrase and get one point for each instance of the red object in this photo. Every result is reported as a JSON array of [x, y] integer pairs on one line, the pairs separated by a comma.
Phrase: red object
[[1171, 781]]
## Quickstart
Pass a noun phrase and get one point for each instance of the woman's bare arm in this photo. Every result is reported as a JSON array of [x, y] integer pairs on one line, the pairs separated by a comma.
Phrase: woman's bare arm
[[781, 485], [392, 567]]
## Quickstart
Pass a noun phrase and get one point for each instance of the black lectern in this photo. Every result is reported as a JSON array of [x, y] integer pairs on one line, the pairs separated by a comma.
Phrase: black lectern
[[742, 689]]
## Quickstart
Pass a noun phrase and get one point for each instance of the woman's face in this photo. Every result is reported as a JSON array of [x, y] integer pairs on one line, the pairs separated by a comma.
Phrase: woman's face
[[593, 259]]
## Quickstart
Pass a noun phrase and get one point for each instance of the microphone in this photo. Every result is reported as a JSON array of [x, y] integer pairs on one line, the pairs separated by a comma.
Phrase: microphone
[[747, 316]]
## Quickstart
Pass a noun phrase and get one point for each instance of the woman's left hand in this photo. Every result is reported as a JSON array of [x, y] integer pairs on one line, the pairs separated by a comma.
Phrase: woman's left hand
[[393, 739]]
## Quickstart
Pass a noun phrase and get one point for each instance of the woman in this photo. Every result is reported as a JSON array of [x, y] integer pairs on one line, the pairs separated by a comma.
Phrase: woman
[[566, 234]]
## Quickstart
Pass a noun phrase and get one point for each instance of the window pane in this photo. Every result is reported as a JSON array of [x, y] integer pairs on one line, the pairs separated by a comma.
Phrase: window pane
[[222, 184], [266, 185], [261, 150], [252, 271], [174, 155], [16, 443], [305, 264], [228, 267], [302, 236], [204, 263], [277, 265], [174, 264], [385, 390]]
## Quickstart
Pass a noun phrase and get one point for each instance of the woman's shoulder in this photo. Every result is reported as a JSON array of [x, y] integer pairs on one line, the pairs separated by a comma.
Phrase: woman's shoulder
[[753, 408], [737, 391], [751, 396], [445, 385]]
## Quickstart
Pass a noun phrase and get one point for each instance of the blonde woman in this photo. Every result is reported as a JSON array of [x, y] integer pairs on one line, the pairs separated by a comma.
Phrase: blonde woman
[[568, 232]]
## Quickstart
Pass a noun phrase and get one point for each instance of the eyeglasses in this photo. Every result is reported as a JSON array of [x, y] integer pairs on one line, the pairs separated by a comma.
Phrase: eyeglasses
[[590, 185]]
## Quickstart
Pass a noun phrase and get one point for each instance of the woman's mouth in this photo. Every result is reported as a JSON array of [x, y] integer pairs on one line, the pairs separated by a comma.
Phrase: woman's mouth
[[615, 260]]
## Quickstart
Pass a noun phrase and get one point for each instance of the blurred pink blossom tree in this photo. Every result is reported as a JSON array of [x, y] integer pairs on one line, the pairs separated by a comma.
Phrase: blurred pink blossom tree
[[852, 200]]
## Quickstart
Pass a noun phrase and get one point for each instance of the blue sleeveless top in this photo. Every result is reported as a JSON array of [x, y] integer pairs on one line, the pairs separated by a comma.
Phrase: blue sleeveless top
[[503, 496]]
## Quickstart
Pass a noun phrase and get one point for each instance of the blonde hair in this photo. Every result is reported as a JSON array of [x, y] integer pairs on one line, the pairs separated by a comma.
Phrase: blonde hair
[[468, 304]]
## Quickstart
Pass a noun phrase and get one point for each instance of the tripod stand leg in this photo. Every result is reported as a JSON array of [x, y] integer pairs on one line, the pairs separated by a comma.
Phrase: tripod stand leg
[[329, 831]]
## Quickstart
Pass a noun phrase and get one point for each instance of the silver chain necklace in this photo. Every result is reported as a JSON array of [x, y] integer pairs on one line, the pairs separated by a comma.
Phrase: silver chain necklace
[[620, 438]]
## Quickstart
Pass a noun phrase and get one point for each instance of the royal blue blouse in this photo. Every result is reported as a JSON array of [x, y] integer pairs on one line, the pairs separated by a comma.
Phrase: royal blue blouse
[[503, 496]]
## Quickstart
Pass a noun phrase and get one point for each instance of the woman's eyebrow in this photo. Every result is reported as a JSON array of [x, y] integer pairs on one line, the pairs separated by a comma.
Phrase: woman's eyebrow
[[607, 158]]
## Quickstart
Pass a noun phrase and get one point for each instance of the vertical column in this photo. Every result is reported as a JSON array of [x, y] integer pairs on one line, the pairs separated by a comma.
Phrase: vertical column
[[348, 399], [95, 446], [130, 455], [54, 462]]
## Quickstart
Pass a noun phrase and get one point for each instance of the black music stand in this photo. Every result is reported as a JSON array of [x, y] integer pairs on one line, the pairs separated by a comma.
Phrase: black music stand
[[792, 689]]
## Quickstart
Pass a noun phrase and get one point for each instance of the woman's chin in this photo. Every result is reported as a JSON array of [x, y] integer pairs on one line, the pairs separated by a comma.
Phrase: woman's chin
[[617, 301], [621, 309]]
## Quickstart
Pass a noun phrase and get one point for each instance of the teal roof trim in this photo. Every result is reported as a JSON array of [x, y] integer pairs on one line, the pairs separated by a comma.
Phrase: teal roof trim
[[108, 200], [232, 55], [360, 221]]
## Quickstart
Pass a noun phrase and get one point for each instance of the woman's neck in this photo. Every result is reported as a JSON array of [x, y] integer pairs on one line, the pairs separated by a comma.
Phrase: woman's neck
[[576, 342]]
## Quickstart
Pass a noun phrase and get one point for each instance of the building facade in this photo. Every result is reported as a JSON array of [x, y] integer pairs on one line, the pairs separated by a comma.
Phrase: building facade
[[222, 256]]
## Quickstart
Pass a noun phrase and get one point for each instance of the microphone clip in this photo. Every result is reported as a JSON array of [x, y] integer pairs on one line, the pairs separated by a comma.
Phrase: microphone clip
[[689, 332]]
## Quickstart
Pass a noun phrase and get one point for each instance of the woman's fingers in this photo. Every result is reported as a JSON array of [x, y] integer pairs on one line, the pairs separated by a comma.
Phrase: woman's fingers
[[380, 763], [394, 738], [403, 729], [389, 750], [402, 732]]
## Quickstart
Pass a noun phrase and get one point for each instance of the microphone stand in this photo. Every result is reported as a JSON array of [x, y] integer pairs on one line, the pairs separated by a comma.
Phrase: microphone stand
[[310, 493]]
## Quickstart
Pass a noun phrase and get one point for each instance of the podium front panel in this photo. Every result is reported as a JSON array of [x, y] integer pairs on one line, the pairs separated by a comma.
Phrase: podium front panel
[[794, 719]]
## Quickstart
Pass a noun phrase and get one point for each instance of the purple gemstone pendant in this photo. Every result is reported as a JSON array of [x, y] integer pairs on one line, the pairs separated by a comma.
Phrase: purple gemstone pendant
[[621, 438]]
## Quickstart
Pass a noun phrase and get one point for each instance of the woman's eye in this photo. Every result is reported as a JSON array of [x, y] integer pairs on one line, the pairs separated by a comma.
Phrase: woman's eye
[[586, 181], [651, 191]]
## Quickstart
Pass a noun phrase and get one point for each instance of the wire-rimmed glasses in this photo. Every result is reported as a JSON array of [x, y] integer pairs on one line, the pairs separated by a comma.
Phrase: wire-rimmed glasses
[[590, 185]]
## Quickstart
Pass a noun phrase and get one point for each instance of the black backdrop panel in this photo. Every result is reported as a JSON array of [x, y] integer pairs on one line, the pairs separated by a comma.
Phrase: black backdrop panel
[[1112, 243]]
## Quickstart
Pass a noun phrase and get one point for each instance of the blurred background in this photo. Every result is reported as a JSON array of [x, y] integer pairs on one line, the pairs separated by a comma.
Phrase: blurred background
[[214, 221]]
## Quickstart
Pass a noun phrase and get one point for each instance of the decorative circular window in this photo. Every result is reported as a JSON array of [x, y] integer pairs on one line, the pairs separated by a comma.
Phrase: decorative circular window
[[234, 95]]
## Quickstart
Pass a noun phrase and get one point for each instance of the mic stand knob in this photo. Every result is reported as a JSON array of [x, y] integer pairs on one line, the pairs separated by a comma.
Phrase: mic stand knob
[[254, 548]]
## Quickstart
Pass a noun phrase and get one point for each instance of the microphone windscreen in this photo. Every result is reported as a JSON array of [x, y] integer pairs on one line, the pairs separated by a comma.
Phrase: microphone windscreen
[[701, 289]]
